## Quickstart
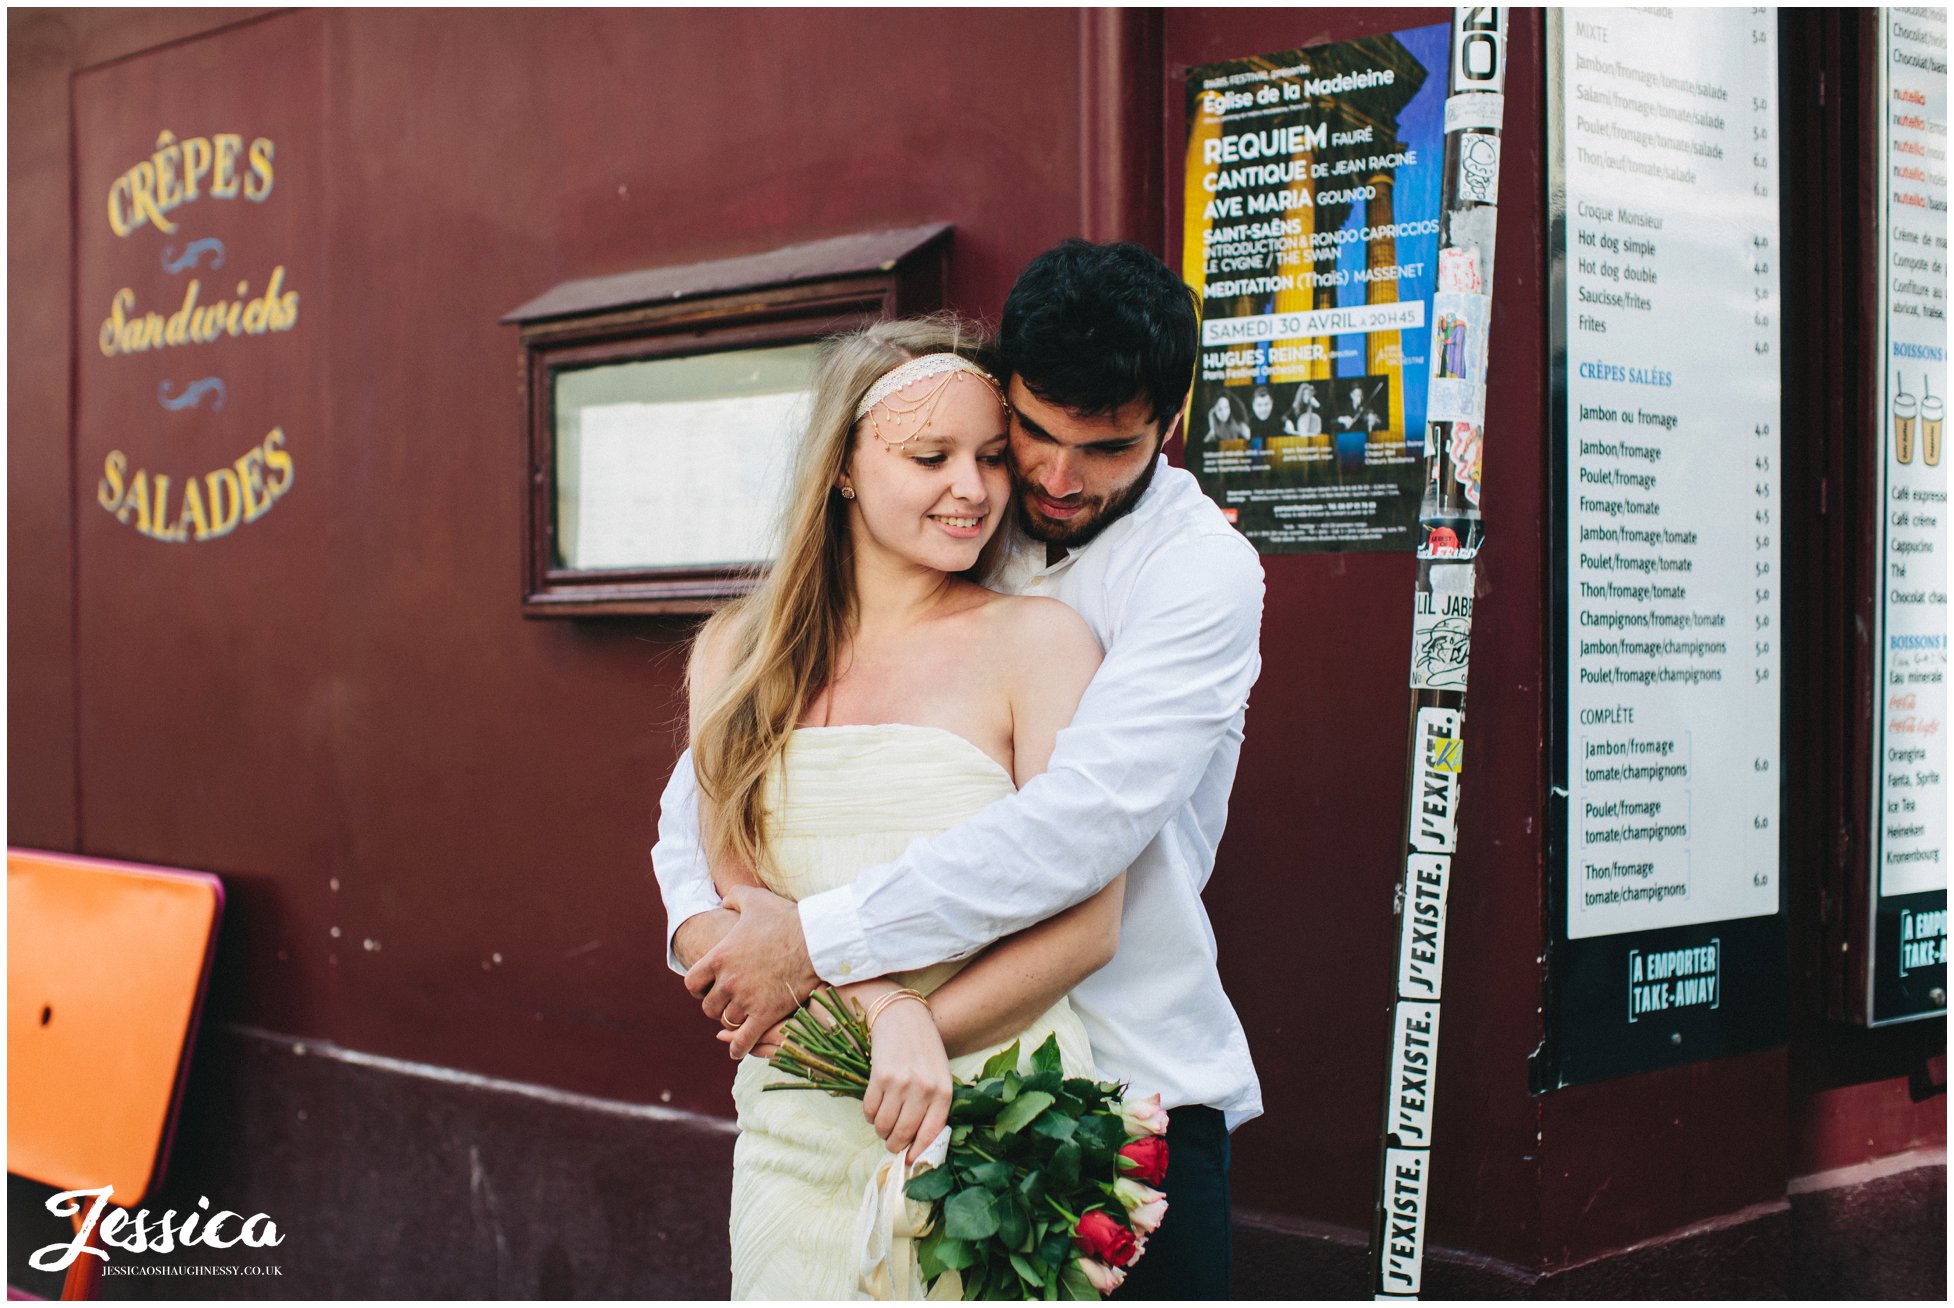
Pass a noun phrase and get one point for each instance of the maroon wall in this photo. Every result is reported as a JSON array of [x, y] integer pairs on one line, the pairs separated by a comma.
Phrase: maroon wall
[[432, 815], [339, 707]]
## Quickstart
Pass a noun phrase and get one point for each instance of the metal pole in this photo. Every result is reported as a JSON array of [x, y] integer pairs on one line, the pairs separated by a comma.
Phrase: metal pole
[[1451, 534]]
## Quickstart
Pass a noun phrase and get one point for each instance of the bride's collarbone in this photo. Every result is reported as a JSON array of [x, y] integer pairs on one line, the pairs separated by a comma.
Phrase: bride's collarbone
[[967, 653], [953, 686]]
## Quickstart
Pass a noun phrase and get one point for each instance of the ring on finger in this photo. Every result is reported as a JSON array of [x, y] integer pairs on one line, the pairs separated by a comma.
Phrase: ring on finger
[[726, 1020]]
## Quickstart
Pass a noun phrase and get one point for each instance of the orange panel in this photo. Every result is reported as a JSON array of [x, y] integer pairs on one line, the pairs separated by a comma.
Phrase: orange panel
[[106, 968]]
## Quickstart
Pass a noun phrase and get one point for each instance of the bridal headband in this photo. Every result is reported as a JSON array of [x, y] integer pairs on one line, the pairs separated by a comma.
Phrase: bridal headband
[[944, 366]]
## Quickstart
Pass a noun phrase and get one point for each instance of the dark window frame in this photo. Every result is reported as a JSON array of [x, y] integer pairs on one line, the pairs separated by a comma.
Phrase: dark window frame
[[784, 297]]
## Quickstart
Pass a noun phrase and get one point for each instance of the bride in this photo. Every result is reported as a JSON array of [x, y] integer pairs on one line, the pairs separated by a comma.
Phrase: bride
[[867, 694]]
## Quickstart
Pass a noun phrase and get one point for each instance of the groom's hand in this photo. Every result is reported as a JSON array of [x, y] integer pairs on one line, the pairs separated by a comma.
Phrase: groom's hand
[[759, 973], [701, 932]]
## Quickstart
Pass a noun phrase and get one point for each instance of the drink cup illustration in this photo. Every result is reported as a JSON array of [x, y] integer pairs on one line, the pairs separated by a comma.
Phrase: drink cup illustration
[[1930, 413], [1905, 406]]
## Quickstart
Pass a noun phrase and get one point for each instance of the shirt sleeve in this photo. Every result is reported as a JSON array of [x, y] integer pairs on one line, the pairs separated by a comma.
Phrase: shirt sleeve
[[678, 859], [1182, 656]]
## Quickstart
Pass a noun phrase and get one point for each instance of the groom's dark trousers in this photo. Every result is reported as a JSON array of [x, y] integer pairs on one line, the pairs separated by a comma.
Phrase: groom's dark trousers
[[1188, 1257]]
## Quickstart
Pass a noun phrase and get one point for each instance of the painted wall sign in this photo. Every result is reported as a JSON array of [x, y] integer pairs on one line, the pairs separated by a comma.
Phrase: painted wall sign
[[1311, 236], [1910, 794], [183, 295], [1668, 786]]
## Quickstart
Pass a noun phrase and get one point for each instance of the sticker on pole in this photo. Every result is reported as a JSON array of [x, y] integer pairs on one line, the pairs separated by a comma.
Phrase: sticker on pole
[[1440, 754], [1405, 1175], [1421, 940], [1460, 322], [1441, 629], [1478, 48], [1478, 168], [1458, 270], [1481, 110], [1414, 1073]]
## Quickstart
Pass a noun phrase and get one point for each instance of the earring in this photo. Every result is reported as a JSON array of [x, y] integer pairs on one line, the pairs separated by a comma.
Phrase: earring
[[848, 492]]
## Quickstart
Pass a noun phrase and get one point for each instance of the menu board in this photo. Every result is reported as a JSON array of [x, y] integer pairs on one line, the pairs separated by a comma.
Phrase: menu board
[[1909, 819], [1667, 182]]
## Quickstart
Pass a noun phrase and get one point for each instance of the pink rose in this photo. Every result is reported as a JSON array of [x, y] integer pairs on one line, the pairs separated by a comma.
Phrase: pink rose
[[1104, 1279], [1103, 1237], [1145, 1206], [1146, 1159], [1143, 1117]]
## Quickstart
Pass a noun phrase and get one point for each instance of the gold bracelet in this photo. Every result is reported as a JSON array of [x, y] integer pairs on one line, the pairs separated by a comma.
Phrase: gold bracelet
[[875, 1009]]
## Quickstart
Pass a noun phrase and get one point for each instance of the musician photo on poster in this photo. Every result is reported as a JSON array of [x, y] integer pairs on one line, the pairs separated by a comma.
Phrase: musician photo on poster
[[1361, 404]]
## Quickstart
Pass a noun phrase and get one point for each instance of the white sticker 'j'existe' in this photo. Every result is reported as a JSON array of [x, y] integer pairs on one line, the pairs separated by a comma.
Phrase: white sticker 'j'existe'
[[1405, 1172], [1440, 755], [1421, 941], [1414, 1073]]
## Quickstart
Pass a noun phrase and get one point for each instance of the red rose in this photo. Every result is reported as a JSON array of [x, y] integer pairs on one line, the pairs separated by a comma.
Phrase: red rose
[[1104, 1238], [1147, 1158]]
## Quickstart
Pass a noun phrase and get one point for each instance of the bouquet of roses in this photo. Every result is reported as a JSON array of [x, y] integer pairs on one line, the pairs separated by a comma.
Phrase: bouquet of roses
[[1050, 1188]]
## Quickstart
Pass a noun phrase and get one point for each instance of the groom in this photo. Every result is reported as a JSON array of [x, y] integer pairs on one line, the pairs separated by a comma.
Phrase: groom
[[1098, 346]]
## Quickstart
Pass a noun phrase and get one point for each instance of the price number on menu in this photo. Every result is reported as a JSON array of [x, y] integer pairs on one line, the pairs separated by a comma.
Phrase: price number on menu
[[1762, 539]]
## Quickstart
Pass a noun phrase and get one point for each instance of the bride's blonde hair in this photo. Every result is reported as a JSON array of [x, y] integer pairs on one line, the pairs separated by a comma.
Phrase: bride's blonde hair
[[786, 636]]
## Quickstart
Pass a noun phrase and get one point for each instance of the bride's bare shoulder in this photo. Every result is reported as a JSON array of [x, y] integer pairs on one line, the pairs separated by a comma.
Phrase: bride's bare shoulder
[[1051, 630]]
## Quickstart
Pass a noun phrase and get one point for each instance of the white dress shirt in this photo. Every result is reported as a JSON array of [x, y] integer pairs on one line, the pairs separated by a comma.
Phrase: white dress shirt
[[1139, 780]]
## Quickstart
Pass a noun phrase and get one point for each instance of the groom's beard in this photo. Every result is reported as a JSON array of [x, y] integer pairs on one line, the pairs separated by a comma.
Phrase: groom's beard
[[1097, 515]]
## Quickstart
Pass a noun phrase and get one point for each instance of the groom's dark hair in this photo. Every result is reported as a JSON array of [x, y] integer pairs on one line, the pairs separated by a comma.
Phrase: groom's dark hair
[[1091, 327]]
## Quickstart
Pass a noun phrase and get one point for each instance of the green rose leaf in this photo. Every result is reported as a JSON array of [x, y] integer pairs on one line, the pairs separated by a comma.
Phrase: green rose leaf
[[927, 1261], [1056, 1126], [955, 1254], [931, 1185], [1013, 1225], [1021, 1110], [992, 1175], [977, 1104], [970, 1215], [1073, 1283], [1102, 1132], [1046, 1058], [1064, 1167], [1004, 1060]]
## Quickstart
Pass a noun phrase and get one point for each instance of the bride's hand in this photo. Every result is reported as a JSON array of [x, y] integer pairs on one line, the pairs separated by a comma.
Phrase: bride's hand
[[908, 1099]]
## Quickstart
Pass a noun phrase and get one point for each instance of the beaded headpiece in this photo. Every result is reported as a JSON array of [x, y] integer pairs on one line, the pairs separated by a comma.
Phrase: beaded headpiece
[[943, 366]]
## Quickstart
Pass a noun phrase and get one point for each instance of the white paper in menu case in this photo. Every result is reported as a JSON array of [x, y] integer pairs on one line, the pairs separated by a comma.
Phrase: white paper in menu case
[[1671, 166], [690, 482]]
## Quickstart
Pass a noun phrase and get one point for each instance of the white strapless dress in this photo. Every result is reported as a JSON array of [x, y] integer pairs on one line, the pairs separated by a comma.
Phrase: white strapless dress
[[847, 799]]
